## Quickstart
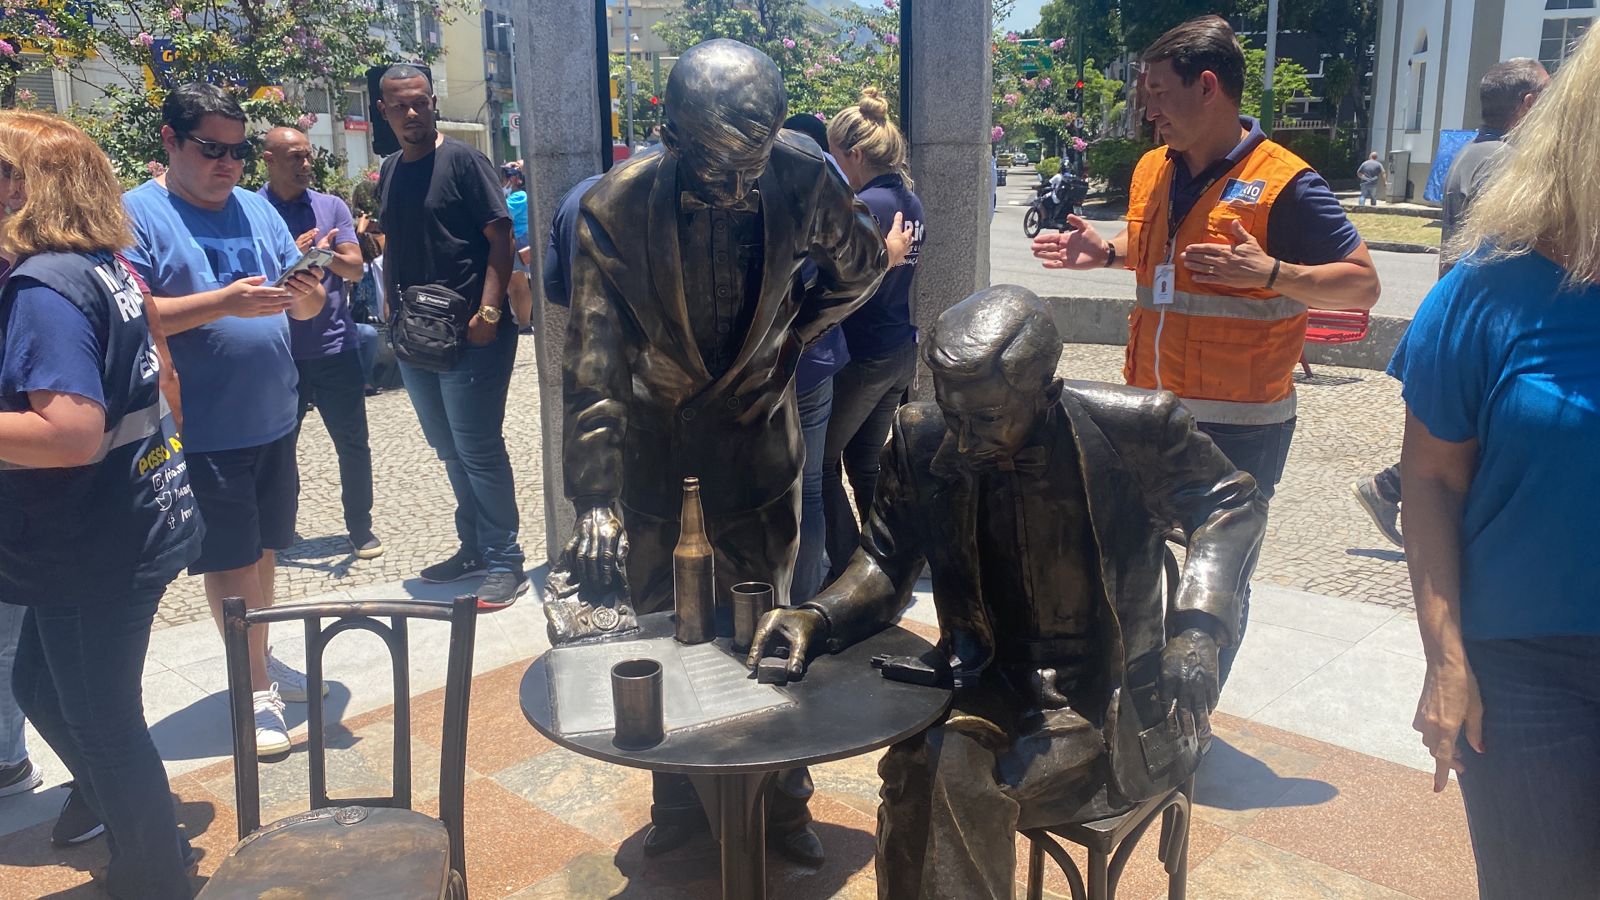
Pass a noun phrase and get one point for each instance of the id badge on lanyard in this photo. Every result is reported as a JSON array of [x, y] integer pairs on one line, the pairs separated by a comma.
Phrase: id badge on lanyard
[[1164, 283]]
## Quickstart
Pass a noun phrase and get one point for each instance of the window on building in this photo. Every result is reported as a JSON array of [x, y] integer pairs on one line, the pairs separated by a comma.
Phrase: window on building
[[1560, 36], [1569, 4], [1419, 83]]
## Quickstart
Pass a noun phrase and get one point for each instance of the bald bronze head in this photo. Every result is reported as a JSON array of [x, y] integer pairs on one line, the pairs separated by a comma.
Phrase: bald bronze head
[[725, 104], [994, 358]]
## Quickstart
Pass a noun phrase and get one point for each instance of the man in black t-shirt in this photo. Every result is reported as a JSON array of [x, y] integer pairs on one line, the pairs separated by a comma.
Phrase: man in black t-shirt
[[447, 224]]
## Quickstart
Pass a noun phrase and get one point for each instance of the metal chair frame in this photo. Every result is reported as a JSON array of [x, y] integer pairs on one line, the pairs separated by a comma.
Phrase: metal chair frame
[[358, 615], [1111, 843]]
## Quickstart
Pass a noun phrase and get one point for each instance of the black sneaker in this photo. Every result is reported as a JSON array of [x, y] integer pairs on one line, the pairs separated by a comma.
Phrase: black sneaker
[[20, 778], [366, 546], [77, 822], [464, 564], [501, 589]]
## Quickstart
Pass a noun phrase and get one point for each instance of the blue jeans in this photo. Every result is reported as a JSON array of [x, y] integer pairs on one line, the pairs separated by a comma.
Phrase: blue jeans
[[13, 748], [1533, 796], [815, 405], [462, 412], [865, 395], [79, 677], [367, 348], [1368, 192]]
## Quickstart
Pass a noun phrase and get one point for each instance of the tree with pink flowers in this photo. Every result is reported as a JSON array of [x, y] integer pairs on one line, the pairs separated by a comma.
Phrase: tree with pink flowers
[[270, 53]]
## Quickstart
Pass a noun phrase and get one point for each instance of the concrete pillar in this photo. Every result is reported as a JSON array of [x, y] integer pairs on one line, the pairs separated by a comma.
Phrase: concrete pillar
[[951, 92], [556, 74]]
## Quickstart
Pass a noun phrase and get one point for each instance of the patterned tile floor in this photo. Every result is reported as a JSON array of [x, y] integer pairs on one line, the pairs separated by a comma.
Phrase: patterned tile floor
[[1278, 815]]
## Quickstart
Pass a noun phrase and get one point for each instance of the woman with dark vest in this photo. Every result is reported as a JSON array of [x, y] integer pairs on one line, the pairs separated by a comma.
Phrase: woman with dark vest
[[882, 342], [98, 516]]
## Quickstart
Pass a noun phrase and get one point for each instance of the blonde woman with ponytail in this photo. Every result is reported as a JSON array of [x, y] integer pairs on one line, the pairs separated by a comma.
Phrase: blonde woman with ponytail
[[1501, 480], [873, 154]]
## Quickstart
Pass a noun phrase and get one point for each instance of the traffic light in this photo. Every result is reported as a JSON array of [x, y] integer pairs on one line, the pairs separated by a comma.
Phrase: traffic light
[[1076, 94], [655, 101]]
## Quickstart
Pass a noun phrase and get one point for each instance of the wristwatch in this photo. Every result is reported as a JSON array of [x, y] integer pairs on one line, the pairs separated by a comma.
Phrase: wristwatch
[[490, 314]]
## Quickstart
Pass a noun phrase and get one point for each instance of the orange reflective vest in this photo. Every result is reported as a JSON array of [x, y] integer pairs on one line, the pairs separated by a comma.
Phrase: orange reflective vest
[[1229, 353]]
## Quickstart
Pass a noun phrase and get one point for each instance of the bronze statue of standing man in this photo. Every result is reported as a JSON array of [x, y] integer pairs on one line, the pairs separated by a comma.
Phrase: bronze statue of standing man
[[687, 321]]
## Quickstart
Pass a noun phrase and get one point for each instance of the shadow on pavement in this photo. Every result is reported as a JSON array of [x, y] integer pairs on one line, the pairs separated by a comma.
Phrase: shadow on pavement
[[1232, 779]]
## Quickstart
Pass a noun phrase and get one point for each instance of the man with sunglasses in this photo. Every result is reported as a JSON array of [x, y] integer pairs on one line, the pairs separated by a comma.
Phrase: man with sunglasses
[[213, 254]]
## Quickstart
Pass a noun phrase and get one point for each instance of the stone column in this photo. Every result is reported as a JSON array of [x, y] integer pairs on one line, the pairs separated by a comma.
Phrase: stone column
[[950, 88], [556, 77]]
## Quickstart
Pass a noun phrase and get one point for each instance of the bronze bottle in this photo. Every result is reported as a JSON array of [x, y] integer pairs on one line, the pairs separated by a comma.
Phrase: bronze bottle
[[693, 584]]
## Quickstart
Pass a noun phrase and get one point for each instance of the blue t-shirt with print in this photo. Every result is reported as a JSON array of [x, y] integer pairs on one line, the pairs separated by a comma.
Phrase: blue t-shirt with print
[[237, 374], [48, 345], [1500, 354]]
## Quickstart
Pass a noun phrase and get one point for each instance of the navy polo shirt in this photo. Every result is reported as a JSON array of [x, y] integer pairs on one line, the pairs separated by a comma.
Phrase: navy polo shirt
[[333, 330], [1307, 226], [883, 324]]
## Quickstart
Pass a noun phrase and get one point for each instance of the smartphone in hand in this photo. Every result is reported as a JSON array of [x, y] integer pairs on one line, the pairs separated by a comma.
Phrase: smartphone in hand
[[316, 257]]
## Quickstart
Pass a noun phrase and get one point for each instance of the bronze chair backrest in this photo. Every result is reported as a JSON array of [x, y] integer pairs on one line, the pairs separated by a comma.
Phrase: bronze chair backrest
[[357, 615]]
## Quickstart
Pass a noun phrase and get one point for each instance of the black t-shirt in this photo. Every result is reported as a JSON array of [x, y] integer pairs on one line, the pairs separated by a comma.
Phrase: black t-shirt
[[433, 214]]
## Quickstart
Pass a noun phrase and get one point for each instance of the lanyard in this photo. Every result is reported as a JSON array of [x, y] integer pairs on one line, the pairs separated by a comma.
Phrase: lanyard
[[1172, 203]]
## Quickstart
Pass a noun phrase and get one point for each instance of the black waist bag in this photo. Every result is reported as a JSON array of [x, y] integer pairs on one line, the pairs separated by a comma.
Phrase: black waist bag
[[430, 327]]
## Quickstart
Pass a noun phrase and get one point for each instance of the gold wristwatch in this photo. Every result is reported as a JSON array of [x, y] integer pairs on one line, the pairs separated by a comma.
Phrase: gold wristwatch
[[490, 314]]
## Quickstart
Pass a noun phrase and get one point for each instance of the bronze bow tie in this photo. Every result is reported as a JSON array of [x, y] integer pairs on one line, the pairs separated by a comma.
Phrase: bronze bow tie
[[1028, 461], [1033, 461], [688, 201]]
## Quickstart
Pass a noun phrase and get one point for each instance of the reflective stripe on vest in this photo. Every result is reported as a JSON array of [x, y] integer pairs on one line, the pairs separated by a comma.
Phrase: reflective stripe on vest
[[1228, 353], [134, 427]]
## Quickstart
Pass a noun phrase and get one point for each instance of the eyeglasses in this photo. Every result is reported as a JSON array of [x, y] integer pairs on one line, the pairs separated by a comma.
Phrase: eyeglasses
[[241, 151]]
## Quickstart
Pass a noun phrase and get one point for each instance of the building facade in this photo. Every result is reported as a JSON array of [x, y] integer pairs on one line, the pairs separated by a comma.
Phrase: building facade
[[1431, 55]]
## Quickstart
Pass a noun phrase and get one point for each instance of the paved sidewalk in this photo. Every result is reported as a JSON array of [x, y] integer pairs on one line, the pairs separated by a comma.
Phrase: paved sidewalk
[[1318, 539], [1316, 787]]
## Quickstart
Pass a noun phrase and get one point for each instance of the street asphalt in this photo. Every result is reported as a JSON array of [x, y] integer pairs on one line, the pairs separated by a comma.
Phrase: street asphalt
[[1406, 277]]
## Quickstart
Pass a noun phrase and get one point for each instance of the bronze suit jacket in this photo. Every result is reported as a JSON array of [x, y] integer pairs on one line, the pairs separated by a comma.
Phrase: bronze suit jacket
[[641, 410], [1147, 471]]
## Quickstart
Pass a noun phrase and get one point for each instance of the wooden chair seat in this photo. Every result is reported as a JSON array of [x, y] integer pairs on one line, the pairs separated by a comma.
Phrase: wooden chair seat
[[371, 848], [348, 852]]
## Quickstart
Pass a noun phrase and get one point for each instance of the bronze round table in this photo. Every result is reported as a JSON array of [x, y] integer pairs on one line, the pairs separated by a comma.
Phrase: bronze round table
[[842, 707]]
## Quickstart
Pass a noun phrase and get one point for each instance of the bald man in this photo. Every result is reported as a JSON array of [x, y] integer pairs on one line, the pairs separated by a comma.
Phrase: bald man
[[325, 348]]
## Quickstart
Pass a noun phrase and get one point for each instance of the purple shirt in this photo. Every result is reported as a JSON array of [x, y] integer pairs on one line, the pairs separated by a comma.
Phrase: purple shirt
[[333, 330]]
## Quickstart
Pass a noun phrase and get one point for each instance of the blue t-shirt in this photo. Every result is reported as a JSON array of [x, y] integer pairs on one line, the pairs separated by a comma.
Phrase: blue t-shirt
[[1498, 353], [883, 323], [48, 346], [238, 376], [517, 205]]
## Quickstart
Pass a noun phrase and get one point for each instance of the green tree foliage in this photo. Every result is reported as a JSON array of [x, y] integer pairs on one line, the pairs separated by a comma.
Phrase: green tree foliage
[[1102, 38], [825, 61], [1288, 82], [269, 53]]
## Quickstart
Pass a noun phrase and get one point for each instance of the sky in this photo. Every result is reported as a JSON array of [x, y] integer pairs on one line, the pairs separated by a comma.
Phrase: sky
[[1024, 15]]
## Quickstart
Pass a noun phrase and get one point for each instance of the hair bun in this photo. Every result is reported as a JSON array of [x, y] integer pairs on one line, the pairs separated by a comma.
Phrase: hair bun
[[873, 105]]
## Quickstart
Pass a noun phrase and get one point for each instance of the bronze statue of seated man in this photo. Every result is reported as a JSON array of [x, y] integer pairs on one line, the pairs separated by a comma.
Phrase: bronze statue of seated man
[[1082, 684]]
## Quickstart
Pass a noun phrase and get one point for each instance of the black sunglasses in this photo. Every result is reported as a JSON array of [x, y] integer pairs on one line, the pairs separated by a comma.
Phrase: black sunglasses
[[241, 151]]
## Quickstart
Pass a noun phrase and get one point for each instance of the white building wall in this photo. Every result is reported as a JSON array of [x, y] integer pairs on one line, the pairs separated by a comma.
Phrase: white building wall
[[1452, 112]]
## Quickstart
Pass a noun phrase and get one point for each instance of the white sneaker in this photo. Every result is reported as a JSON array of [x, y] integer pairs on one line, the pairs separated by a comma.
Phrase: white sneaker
[[291, 684], [272, 735]]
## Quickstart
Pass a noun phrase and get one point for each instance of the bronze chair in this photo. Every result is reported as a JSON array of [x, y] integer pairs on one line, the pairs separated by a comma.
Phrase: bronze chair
[[1111, 841], [349, 848]]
